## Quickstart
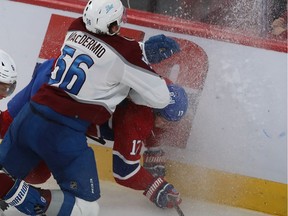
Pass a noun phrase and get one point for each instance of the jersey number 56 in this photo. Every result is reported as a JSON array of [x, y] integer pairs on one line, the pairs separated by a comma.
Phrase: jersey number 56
[[68, 73]]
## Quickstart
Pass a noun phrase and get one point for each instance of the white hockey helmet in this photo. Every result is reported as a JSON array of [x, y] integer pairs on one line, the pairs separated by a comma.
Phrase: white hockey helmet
[[8, 74], [98, 15]]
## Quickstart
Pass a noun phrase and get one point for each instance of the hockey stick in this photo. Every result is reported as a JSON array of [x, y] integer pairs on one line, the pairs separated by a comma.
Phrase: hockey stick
[[97, 139], [178, 209]]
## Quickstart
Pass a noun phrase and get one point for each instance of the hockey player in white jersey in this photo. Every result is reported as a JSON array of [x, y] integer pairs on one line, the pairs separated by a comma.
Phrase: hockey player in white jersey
[[97, 69]]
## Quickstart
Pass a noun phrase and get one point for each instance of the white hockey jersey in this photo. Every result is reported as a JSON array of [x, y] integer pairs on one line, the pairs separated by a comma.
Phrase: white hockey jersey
[[96, 72]]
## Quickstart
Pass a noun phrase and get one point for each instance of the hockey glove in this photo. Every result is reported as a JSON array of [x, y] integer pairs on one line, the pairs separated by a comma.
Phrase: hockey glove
[[163, 194], [160, 47], [26, 198], [154, 162]]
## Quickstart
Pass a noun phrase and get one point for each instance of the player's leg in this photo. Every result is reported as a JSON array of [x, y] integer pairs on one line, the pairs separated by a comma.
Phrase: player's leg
[[18, 160], [79, 186], [66, 204], [39, 174], [66, 153], [73, 165], [16, 156], [85, 208], [55, 202], [32, 201]]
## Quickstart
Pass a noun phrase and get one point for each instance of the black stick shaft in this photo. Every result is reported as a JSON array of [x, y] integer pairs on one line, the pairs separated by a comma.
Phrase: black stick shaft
[[178, 209]]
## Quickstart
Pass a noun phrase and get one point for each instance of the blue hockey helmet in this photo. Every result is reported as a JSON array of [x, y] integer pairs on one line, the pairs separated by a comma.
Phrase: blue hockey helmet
[[178, 105]]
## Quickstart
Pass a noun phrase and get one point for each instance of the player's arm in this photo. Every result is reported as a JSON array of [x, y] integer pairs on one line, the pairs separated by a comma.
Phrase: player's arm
[[154, 50], [147, 87], [40, 76], [150, 90]]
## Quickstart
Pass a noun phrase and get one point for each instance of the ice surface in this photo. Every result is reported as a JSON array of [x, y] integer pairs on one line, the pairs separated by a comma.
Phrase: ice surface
[[118, 200]]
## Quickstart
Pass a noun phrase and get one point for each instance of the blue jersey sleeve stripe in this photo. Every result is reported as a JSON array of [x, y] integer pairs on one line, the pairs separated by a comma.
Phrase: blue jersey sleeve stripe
[[123, 170]]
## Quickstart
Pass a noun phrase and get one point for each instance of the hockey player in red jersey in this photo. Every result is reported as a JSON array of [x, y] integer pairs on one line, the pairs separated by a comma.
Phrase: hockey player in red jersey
[[133, 125], [133, 128], [62, 110]]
